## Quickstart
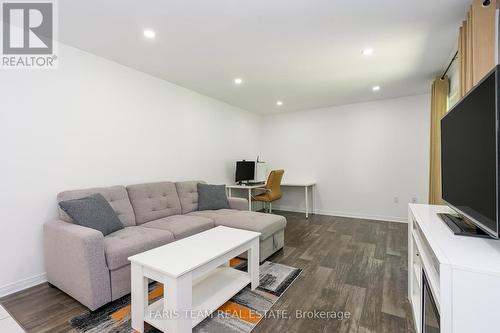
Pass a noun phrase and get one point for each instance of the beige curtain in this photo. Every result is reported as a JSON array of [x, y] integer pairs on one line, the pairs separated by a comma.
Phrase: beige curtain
[[439, 107], [476, 44]]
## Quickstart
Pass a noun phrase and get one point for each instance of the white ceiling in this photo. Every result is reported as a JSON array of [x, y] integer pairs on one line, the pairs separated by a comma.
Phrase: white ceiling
[[307, 53]]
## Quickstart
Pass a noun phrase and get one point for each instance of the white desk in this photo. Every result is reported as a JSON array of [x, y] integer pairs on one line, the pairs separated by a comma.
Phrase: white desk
[[307, 185], [244, 187]]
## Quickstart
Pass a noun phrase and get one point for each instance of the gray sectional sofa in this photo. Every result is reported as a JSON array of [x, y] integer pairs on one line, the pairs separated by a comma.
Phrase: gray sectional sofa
[[94, 269]]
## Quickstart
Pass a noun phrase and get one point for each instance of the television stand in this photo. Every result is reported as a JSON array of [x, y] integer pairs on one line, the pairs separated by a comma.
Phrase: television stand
[[463, 274], [461, 227]]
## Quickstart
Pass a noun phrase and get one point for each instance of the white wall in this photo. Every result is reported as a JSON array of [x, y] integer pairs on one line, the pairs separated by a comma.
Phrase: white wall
[[363, 156], [93, 122]]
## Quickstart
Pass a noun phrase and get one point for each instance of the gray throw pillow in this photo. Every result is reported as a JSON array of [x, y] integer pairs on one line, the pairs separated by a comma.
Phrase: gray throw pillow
[[212, 197], [93, 212]]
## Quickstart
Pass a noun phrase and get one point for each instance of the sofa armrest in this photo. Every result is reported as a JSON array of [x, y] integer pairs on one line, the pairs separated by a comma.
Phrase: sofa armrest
[[238, 203], [75, 262]]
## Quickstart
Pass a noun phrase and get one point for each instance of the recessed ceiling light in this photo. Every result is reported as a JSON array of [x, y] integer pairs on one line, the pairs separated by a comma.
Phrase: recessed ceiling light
[[368, 51], [238, 81], [150, 34], [279, 103], [376, 88]]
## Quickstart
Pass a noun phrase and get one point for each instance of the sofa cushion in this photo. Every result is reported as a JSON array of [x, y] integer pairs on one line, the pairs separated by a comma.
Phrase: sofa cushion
[[127, 242], [154, 201], [212, 197], [93, 212], [188, 195], [213, 214], [266, 224], [181, 225], [116, 196]]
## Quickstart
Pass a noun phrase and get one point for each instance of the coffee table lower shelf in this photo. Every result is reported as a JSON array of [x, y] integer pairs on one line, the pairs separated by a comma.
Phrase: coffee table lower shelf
[[209, 293]]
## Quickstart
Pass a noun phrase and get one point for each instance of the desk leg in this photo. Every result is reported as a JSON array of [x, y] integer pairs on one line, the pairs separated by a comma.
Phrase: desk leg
[[307, 202], [249, 199], [177, 304], [139, 302], [253, 263], [313, 211], [229, 194]]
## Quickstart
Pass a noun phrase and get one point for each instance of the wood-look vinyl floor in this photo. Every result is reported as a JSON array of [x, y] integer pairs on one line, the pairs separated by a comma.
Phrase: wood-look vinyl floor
[[349, 265]]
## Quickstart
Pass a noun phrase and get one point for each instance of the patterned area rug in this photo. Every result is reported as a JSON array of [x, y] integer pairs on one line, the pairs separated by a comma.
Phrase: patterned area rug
[[240, 314]]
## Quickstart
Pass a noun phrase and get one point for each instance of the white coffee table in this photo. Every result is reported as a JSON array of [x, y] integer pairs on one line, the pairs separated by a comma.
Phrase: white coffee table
[[196, 278]]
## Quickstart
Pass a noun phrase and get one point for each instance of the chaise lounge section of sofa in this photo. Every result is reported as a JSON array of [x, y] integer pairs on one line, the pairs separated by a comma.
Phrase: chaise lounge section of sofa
[[94, 269]]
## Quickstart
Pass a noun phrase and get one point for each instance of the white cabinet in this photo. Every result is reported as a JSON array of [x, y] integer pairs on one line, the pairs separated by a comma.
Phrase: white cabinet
[[463, 274]]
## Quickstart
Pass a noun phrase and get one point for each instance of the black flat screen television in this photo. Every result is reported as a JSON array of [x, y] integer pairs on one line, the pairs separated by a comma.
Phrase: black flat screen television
[[469, 155]]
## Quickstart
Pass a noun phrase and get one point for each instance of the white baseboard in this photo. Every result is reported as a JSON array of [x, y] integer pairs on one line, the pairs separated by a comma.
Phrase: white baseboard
[[22, 284], [344, 214]]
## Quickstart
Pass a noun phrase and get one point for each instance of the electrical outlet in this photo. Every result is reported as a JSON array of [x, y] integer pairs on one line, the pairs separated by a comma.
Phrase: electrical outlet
[[396, 200], [414, 200]]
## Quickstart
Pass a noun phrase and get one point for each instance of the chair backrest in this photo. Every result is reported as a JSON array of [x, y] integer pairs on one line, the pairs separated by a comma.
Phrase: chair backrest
[[273, 184]]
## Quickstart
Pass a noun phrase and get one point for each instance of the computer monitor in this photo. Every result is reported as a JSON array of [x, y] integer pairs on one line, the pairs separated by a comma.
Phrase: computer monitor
[[245, 171]]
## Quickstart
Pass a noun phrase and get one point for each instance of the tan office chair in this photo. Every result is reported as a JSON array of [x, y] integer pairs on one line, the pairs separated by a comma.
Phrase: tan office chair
[[272, 190]]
